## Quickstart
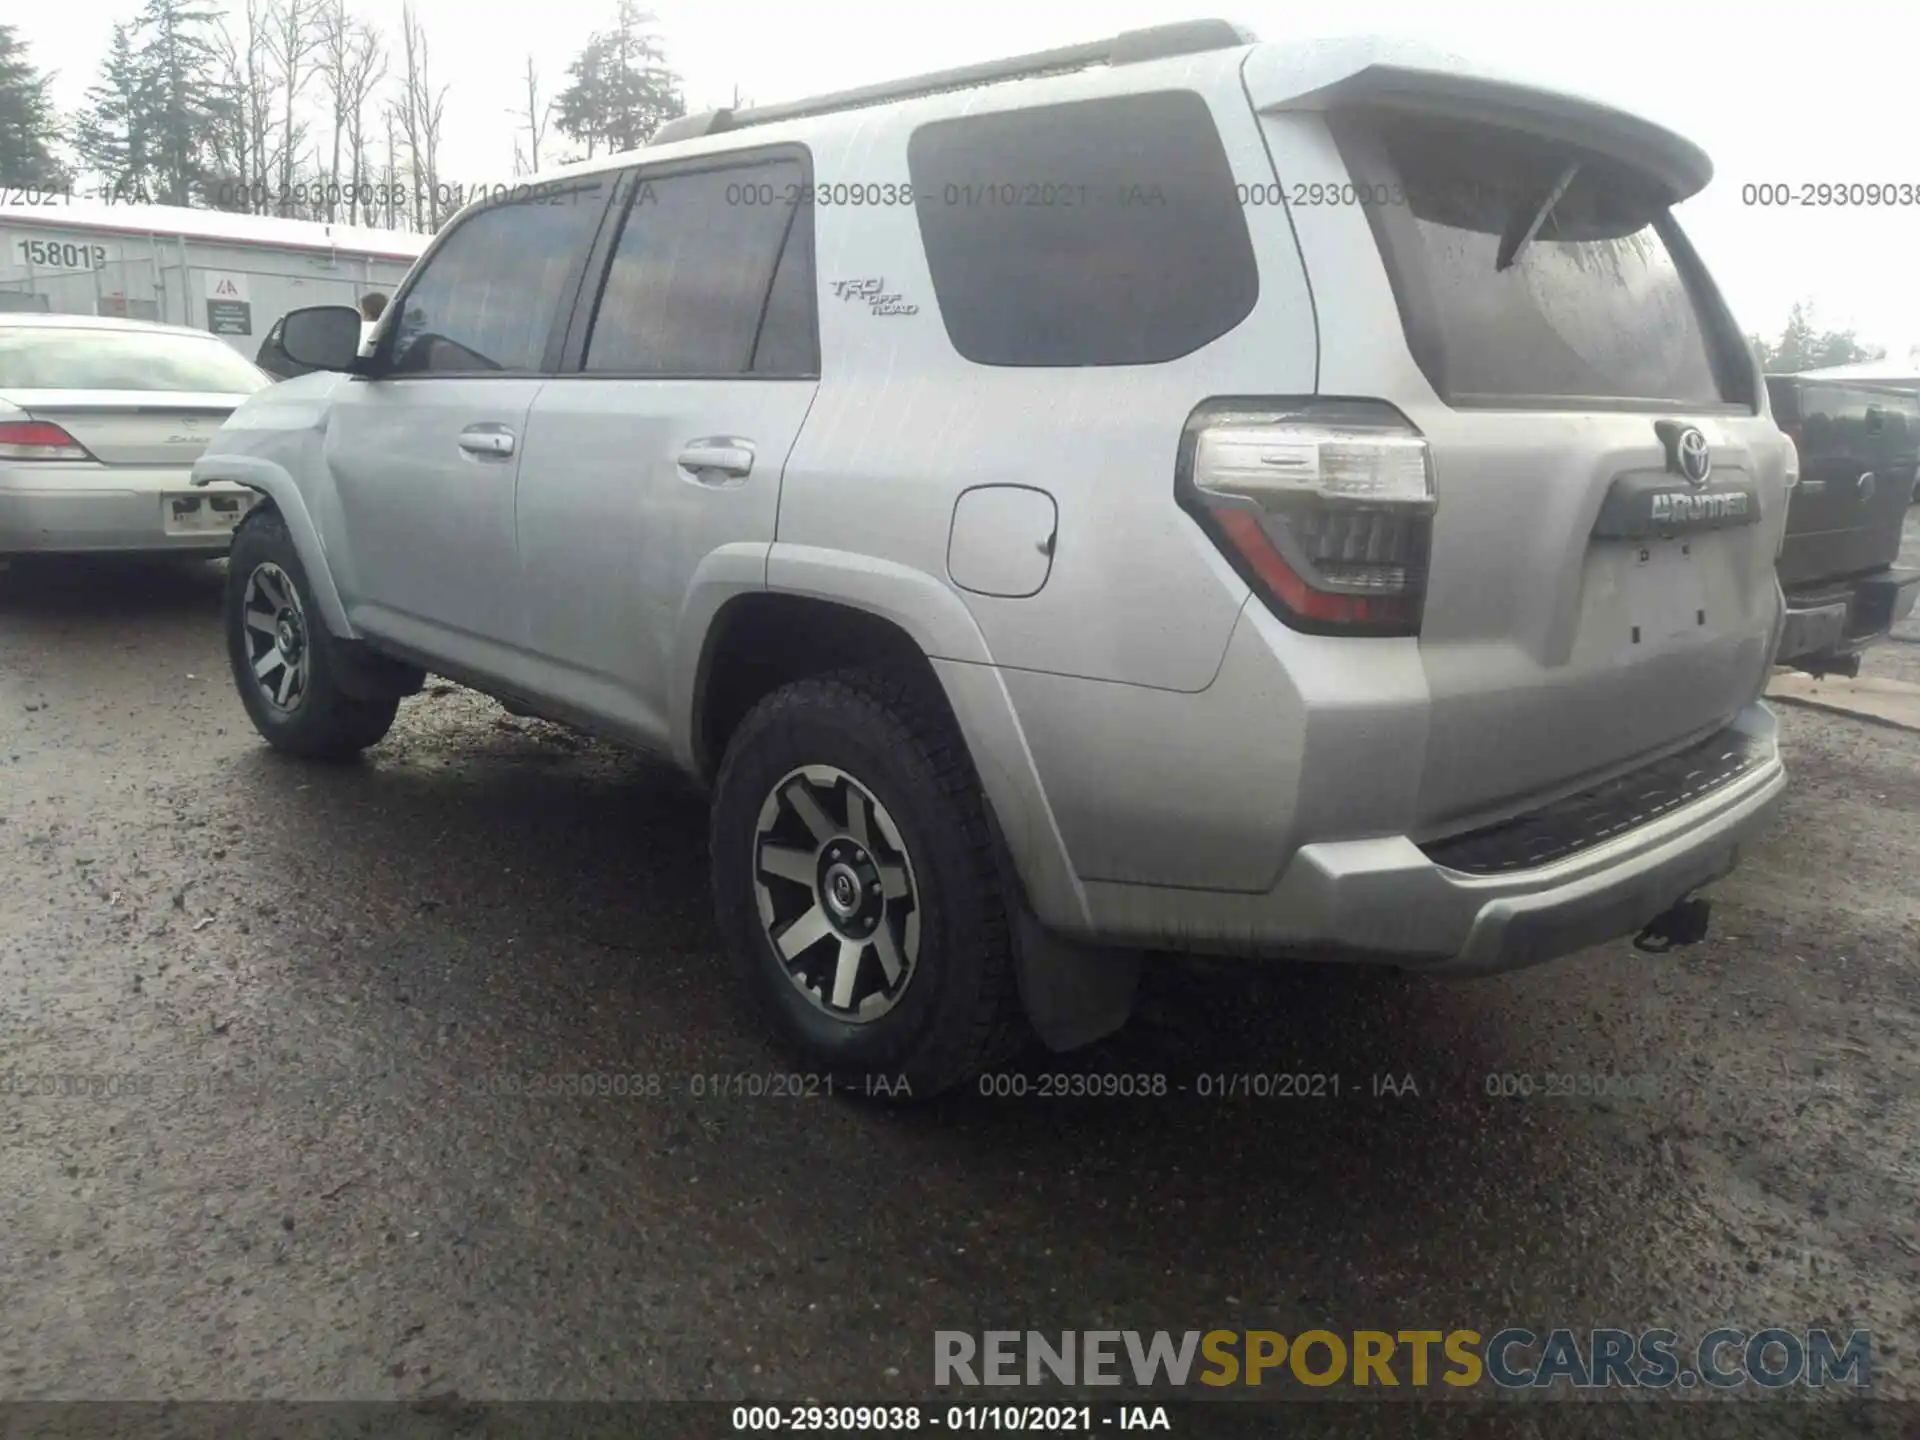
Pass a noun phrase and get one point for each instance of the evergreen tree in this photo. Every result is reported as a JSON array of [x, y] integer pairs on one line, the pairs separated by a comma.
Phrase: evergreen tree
[[151, 123], [1803, 345], [29, 127], [177, 56], [622, 90], [113, 129]]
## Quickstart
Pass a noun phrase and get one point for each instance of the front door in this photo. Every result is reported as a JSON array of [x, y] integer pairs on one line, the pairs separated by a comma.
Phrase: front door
[[425, 454]]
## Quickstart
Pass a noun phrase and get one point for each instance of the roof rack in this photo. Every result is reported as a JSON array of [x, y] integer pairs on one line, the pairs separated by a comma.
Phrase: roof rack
[[1131, 47]]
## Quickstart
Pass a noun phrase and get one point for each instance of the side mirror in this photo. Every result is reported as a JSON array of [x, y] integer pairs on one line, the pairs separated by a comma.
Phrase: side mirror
[[325, 337]]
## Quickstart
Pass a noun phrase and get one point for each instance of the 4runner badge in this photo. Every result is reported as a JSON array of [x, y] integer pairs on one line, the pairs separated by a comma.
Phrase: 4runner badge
[[874, 292], [1679, 508]]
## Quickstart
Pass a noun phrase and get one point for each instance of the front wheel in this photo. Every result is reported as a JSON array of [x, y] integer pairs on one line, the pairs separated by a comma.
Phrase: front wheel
[[285, 664], [855, 880]]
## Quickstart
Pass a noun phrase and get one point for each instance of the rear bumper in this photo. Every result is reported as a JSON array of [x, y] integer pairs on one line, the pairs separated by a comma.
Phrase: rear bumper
[[1831, 622], [97, 510], [1388, 900]]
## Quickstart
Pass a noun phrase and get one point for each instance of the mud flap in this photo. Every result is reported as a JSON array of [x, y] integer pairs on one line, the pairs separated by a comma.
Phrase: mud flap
[[368, 675], [1073, 994]]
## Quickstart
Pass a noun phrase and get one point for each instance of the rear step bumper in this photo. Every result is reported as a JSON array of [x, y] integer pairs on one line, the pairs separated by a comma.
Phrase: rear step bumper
[[1827, 625], [1623, 855]]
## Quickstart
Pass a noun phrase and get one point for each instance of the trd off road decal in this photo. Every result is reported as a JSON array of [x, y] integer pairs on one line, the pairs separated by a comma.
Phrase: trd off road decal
[[874, 292]]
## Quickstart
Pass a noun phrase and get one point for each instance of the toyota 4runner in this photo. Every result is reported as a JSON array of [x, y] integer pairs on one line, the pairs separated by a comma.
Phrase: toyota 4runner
[[1168, 493]]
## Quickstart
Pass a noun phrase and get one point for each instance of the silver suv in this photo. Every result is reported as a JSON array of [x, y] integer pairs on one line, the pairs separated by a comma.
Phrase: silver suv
[[1168, 493]]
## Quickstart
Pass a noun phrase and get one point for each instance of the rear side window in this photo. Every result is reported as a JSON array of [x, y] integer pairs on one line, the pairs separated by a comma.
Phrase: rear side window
[[488, 297], [1103, 232], [1597, 305], [712, 275]]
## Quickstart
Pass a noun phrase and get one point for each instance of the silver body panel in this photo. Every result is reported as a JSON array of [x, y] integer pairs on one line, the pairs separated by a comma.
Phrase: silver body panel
[[1169, 763]]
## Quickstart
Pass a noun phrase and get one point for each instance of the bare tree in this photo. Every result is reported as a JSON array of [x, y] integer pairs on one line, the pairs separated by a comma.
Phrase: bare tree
[[366, 70], [352, 64], [245, 141], [420, 112], [232, 144], [535, 117], [293, 35], [336, 48], [392, 187]]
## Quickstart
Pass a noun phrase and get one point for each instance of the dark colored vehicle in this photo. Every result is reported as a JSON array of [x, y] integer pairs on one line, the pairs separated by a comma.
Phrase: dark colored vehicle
[[1859, 450]]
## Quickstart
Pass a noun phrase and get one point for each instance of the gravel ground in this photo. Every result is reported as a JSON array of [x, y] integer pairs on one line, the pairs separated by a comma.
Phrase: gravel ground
[[316, 985]]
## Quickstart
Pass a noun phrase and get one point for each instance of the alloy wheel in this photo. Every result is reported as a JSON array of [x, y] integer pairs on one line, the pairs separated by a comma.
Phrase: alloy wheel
[[836, 893], [276, 635]]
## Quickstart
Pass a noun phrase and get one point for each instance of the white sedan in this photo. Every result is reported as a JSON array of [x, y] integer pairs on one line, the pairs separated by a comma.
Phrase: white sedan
[[100, 422]]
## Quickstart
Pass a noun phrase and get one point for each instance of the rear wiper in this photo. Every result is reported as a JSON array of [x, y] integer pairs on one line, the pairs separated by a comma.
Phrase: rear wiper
[[1524, 226]]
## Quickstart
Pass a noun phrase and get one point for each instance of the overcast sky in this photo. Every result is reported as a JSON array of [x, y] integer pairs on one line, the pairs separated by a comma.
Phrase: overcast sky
[[1785, 94]]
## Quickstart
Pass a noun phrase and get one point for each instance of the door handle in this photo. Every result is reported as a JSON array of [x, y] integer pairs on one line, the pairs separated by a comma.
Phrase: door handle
[[495, 441], [718, 457]]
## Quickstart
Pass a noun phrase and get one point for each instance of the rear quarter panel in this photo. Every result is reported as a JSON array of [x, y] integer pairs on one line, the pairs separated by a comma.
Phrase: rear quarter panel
[[902, 424]]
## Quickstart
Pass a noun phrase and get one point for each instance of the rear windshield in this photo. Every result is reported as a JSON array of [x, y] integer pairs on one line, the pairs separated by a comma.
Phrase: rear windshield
[[1594, 305], [45, 357]]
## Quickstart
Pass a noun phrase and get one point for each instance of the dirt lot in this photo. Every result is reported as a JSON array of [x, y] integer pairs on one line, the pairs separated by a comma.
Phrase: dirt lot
[[312, 988]]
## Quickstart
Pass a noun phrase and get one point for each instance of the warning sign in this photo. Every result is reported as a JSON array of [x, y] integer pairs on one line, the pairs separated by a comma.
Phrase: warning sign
[[229, 317], [229, 307]]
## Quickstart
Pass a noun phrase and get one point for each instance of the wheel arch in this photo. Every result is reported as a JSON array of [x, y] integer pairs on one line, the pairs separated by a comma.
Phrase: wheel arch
[[283, 495], [818, 610]]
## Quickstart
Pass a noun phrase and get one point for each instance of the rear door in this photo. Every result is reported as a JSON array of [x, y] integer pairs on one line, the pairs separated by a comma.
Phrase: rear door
[[693, 362], [1858, 448], [1529, 304]]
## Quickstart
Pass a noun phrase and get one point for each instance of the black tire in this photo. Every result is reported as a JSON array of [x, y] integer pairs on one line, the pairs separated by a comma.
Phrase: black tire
[[959, 1011], [326, 723]]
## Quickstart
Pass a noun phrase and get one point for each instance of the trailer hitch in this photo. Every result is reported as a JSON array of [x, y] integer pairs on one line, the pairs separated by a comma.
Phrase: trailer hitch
[[1680, 925]]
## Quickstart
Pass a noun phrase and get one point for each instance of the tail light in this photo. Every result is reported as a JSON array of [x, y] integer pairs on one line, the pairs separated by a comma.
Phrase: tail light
[[38, 440], [1325, 507]]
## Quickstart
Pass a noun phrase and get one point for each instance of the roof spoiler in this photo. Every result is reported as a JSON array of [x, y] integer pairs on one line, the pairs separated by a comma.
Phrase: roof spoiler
[[1672, 161]]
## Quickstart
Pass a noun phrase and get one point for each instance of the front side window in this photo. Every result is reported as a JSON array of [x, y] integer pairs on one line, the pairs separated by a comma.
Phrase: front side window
[[489, 295], [712, 275]]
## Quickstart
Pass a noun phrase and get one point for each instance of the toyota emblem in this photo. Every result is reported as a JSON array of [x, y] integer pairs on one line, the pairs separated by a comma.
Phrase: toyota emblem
[[1696, 460]]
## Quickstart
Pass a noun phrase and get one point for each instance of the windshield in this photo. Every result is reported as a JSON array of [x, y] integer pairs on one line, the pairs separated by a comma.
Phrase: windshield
[[36, 357]]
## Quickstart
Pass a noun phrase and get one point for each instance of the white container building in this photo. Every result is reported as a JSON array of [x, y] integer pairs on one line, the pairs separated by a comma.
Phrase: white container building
[[233, 275]]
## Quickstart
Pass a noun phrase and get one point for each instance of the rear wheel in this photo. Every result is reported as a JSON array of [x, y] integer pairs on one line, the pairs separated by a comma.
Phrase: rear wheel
[[285, 664], [854, 874]]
